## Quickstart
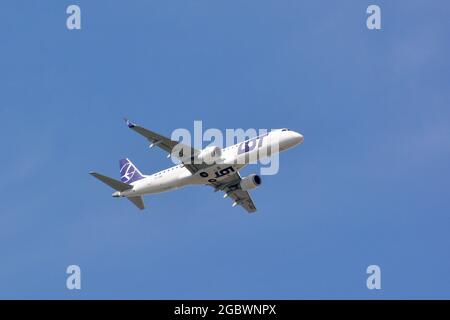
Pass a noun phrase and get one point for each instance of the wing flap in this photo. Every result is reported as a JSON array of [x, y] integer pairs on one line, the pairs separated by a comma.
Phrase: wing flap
[[243, 199]]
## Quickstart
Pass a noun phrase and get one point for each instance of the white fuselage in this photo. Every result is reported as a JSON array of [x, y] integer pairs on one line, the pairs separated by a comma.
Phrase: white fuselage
[[233, 158]]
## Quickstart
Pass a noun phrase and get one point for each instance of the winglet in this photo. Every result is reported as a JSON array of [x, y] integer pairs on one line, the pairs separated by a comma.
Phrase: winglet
[[129, 123]]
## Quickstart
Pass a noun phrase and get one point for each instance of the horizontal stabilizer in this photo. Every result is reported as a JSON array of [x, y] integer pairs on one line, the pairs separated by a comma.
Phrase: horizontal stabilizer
[[138, 202], [115, 184]]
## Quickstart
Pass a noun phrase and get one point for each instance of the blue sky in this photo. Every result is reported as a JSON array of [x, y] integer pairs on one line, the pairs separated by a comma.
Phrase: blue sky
[[368, 186]]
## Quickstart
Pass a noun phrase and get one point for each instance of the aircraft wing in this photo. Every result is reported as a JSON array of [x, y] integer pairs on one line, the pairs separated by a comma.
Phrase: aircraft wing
[[168, 145], [231, 187]]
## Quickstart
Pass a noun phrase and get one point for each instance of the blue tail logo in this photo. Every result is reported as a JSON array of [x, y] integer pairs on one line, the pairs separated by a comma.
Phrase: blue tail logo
[[128, 171]]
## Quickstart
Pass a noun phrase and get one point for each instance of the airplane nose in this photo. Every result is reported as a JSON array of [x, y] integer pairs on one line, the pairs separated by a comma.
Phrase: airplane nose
[[296, 137]]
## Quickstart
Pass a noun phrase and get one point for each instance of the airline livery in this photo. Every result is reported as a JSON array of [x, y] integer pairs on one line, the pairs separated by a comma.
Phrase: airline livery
[[211, 166]]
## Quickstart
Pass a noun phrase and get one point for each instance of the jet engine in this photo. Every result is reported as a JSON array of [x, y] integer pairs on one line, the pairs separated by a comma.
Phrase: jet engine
[[250, 182], [210, 154]]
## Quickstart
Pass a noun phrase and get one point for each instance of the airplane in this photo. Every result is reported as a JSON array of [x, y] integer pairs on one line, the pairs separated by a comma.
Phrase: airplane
[[211, 166]]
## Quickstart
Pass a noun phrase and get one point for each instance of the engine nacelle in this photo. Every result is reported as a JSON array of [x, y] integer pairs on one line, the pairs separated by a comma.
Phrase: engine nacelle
[[250, 182], [210, 155]]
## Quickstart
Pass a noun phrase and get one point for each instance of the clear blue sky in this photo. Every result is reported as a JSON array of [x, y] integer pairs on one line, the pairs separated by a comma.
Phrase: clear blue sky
[[370, 184]]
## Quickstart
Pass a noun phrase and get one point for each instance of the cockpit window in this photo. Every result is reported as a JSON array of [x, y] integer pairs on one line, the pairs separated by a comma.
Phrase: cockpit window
[[284, 129]]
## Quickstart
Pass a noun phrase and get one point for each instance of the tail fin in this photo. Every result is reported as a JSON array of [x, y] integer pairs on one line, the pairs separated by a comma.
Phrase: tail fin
[[129, 172]]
